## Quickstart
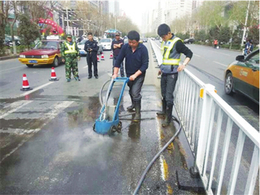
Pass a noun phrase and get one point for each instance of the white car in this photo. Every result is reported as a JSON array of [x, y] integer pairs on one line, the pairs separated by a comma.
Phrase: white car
[[106, 43], [81, 46]]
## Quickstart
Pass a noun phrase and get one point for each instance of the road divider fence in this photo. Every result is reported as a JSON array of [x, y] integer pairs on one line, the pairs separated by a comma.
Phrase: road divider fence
[[225, 146]]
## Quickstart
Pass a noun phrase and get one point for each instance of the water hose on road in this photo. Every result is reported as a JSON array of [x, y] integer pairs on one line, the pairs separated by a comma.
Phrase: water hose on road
[[155, 158]]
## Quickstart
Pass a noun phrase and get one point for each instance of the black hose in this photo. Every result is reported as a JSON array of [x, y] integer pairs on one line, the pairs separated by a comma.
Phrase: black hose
[[154, 159]]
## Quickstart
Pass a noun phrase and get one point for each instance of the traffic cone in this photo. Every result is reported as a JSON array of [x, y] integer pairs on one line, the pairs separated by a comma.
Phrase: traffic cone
[[98, 58], [53, 75], [102, 57], [111, 55], [26, 86]]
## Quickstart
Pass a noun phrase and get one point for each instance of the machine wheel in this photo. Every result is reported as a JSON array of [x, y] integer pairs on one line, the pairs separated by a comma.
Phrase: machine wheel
[[112, 130], [119, 127], [94, 126], [29, 65]]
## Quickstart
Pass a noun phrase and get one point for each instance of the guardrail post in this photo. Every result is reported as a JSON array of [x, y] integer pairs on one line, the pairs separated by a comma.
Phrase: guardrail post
[[196, 170]]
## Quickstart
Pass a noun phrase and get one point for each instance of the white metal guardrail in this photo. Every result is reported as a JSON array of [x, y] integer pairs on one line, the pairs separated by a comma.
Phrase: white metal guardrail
[[225, 146]]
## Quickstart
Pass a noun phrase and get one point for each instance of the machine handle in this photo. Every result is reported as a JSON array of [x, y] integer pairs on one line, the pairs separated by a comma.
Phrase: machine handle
[[120, 79]]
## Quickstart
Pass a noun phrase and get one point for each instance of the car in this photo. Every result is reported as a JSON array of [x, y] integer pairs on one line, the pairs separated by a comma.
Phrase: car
[[106, 43], [81, 46], [243, 76], [45, 52], [145, 40], [189, 41]]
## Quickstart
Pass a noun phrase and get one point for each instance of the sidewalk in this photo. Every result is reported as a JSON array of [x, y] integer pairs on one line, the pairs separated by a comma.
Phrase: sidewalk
[[9, 57]]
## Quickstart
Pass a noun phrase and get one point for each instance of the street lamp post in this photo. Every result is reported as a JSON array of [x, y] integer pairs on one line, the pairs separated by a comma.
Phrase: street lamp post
[[245, 26]]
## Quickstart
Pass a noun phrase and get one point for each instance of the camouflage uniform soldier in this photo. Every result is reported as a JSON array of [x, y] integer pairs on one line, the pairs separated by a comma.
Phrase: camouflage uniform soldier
[[70, 55]]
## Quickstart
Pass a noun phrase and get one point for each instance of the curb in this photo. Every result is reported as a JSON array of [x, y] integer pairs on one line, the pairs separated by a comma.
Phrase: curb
[[9, 57]]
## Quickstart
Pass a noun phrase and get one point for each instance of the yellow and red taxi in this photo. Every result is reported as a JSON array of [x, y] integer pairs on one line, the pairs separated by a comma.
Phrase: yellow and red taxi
[[243, 76], [45, 52]]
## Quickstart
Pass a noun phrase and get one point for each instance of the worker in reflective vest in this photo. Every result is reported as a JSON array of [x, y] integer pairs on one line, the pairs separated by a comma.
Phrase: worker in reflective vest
[[171, 49], [70, 55]]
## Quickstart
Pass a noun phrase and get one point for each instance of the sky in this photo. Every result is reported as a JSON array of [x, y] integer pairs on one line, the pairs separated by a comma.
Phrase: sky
[[135, 8]]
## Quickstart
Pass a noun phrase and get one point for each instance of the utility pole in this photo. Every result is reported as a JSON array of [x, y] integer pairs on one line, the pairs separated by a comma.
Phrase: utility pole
[[115, 22], [67, 17], [245, 26]]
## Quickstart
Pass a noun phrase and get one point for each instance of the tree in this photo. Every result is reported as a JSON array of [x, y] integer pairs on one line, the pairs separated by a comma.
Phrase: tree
[[14, 7], [4, 9], [28, 30]]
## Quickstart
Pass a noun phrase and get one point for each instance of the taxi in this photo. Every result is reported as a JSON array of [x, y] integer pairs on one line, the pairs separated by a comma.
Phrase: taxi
[[243, 76], [45, 52]]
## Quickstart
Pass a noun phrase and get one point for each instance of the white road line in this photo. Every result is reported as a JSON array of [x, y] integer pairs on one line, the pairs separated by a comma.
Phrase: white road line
[[85, 66], [35, 89], [55, 111], [161, 156], [12, 68], [15, 106], [220, 63], [196, 55]]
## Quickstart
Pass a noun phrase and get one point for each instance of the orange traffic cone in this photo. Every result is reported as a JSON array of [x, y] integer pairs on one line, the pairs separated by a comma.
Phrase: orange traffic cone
[[102, 57], [26, 86], [111, 55], [98, 58], [53, 75]]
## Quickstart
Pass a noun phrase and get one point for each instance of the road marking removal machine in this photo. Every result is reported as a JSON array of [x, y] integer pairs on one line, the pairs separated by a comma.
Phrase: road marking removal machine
[[108, 121]]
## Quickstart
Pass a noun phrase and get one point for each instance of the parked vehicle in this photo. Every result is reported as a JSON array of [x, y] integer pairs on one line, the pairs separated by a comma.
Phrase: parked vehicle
[[189, 41], [45, 52], [81, 46], [243, 75], [106, 43]]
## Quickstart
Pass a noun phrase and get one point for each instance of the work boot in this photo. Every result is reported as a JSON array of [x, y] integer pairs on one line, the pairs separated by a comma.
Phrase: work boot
[[131, 108], [168, 118], [137, 105], [162, 113]]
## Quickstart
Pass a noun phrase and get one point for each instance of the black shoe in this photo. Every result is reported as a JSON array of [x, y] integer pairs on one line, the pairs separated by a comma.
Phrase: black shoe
[[163, 112], [131, 108], [168, 118], [137, 111], [96, 77], [89, 77]]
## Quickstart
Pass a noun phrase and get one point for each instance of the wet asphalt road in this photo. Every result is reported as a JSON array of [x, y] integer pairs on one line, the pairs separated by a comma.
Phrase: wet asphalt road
[[48, 146]]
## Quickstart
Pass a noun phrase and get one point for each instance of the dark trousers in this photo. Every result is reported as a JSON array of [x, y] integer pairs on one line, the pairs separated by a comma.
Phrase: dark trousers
[[122, 73], [92, 59], [135, 87], [168, 83]]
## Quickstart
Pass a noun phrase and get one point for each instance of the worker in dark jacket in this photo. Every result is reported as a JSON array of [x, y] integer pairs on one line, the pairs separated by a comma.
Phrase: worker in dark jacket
[[91, 47], [116, 46], [171, 48], [136, 63]]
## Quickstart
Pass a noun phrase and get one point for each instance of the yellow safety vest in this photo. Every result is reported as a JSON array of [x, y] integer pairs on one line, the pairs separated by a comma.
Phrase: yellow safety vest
[[175, 57], [71, 49]]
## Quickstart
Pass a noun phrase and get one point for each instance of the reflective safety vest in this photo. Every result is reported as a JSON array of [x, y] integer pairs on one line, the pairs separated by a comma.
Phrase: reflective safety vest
[[170, 58], [71, 48]]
